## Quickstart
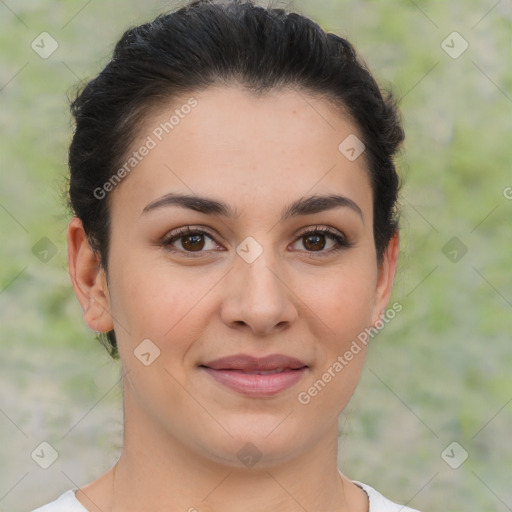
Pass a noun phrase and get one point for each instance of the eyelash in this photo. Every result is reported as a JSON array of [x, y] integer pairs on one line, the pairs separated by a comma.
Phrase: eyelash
[[341, 241]]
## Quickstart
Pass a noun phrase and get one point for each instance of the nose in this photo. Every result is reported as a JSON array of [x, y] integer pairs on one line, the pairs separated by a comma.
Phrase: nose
[[258, 296]]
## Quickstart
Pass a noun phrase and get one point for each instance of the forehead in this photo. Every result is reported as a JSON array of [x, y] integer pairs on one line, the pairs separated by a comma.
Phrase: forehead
[[246, 148]]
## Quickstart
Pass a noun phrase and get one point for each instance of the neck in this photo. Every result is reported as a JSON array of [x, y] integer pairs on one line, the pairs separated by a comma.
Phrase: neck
[[156, 472]]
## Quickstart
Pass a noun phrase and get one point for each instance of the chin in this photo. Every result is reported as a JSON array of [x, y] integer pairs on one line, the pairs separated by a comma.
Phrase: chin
[[256, 442]]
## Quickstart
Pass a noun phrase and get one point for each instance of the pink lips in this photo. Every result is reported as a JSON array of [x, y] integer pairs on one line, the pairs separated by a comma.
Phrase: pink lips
[[253, 376]]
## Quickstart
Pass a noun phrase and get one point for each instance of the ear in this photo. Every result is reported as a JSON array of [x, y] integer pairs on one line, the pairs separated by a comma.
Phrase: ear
[[385, 277], [88, 278]]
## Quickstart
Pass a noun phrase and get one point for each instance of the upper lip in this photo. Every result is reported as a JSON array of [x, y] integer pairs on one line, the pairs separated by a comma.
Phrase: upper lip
[[249, 363]]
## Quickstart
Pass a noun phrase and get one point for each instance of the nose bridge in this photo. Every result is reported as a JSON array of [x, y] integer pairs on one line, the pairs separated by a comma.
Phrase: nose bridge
[[257, 269], [258, 295]]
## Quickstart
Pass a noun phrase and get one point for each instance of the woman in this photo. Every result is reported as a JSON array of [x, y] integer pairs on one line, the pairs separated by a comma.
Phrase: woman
[[235, 233]]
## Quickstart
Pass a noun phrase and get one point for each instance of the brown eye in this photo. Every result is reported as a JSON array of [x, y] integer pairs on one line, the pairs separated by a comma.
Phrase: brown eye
[[188, 242], [192, 242], [314, 241]]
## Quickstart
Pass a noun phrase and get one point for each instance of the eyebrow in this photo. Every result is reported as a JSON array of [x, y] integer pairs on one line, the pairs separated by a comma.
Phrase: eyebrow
[[303, 206]]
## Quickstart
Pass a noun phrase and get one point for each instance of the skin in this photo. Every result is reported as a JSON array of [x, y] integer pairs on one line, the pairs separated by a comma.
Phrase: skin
[[182, 429]]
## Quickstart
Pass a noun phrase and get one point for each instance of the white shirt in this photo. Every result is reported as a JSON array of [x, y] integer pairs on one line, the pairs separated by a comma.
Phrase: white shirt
[[67, 502]]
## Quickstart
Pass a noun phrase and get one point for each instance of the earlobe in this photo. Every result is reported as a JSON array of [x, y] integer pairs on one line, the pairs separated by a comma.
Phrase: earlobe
[[88, 278], [386, 277]]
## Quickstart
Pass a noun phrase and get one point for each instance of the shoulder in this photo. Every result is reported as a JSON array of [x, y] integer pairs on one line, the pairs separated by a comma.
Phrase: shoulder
[[379, 503], [66, 502]]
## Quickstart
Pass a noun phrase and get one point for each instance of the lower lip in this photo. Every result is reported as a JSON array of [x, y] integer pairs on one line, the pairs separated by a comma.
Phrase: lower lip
[[253, 384]]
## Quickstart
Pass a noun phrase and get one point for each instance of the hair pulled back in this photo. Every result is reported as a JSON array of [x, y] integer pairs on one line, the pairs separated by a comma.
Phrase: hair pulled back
[[209, 43]]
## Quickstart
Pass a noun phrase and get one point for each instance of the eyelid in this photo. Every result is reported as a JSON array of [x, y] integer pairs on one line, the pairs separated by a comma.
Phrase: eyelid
[[322, 229]]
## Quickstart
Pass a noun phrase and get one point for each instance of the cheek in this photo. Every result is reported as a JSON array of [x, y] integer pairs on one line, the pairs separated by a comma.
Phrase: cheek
[[343, 308], [159, 301], [344, 299], [342, 303]]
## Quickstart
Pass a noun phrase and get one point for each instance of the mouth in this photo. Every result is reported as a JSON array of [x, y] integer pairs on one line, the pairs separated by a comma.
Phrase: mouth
[[255, 372], [256, 377]]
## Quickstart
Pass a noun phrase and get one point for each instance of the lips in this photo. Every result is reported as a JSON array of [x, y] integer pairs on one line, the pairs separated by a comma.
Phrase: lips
[[256, 377], [248, 364]]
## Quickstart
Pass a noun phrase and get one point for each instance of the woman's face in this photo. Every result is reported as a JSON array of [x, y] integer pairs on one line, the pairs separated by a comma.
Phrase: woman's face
[[253, 278]]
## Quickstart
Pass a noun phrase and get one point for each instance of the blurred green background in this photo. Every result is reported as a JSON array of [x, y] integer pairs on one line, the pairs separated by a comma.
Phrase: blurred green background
[[439, 373]]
